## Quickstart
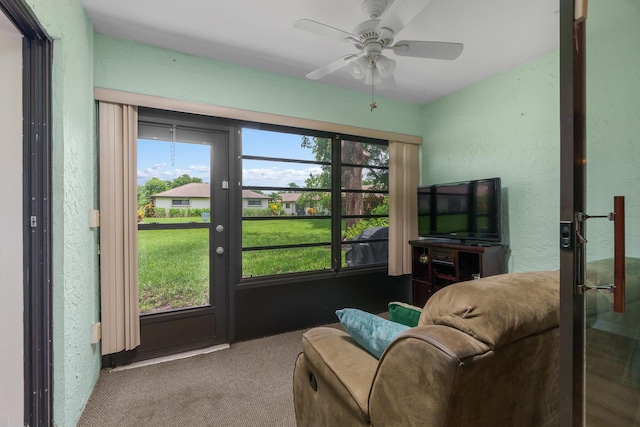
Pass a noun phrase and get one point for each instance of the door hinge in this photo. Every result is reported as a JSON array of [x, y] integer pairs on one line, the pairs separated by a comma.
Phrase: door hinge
[[34, 221]]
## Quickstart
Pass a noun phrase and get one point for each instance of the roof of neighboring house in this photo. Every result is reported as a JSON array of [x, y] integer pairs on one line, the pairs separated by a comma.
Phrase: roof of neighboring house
[[248, 194], [193, 189], [290, 197]]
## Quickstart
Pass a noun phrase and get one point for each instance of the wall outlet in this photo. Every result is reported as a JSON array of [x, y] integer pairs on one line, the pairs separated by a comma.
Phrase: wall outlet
[[96, 332], [94, 218]]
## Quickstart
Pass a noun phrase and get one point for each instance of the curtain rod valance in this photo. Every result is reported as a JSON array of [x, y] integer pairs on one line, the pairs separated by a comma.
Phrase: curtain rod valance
[[116, 96]]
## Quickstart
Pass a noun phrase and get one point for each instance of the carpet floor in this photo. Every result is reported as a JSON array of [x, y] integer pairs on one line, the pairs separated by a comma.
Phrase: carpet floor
[[248, 384]]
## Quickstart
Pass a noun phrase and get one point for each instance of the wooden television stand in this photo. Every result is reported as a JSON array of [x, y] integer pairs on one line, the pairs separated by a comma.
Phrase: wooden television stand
[[438, 263]]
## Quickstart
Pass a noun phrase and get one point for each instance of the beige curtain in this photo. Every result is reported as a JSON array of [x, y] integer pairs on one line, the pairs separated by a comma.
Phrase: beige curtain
[[403, 210], [118, 227]]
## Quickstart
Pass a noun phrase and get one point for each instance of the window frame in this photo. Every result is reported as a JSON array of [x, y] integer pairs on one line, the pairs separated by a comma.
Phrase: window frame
[[336, 214], [180, 205]]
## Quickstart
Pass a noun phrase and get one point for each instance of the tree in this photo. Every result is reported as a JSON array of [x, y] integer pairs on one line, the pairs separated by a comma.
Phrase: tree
[[275, 197], [378, 156], [321, 149], [352, 178], [182, 180], [275, 203], [320, 200], [151, 187]]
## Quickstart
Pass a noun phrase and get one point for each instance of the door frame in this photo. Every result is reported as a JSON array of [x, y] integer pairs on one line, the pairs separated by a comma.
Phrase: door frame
[[37, 252], [183, 330], [572, 199]]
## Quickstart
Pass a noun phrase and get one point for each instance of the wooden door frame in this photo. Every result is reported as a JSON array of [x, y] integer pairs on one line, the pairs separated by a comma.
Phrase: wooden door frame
[[37, 284], [572, 200]]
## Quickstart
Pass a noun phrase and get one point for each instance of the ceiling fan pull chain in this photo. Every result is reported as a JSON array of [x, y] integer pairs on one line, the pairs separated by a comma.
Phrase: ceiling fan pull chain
[[373, 103]]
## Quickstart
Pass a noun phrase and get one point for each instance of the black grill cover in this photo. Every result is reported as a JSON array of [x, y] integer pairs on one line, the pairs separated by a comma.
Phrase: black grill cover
[[369, 252]]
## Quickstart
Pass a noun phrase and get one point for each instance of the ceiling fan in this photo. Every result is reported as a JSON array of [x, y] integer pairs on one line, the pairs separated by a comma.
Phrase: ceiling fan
[[386, 19]]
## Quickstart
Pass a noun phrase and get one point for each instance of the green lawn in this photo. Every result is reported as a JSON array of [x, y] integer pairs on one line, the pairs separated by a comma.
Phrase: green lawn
[[173, 268], [174, 264]]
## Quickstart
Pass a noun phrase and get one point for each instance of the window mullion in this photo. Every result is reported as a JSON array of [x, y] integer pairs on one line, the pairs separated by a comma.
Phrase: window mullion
[[336, 203]]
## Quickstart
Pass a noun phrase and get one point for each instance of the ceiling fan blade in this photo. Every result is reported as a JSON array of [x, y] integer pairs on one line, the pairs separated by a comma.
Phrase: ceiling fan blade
[[424, 49], [399, 14], [323, 30], [331, 67], [387, 83]]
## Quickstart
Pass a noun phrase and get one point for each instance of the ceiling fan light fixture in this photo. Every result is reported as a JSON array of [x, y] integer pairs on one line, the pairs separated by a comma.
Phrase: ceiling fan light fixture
[[386, 66], [373, 76], [359, 67]]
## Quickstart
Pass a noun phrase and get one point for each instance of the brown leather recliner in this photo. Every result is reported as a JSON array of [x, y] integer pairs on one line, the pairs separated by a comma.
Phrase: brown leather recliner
[[485, 353]]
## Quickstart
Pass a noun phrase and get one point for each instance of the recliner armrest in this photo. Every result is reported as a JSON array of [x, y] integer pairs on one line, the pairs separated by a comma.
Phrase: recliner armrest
[[417, 373], [343, 364]]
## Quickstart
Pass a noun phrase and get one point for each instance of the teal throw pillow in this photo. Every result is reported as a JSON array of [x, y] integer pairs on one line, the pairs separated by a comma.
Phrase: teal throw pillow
[[404, 313], [371, 332]]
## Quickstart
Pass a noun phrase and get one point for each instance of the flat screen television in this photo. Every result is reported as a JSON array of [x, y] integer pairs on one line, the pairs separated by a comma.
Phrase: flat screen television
[[465, 211]]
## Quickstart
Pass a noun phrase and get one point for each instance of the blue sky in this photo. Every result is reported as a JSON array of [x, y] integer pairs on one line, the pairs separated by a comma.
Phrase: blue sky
[[155, 159]]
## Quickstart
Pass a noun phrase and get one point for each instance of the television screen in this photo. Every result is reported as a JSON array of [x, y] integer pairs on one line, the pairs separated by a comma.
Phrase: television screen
[[467, 210]]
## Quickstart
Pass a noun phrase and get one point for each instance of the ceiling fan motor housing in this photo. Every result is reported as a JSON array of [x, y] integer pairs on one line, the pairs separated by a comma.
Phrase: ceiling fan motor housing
[[367, 34]]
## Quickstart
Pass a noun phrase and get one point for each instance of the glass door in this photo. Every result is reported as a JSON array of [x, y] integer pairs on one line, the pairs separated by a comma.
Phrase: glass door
[[609, 274], [182, 233], [174, 208]]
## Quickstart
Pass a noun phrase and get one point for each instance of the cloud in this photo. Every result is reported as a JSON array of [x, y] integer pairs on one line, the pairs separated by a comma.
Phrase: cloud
[[158, 171], [264, 177], [151, 170], [276, 177], [200, 170]]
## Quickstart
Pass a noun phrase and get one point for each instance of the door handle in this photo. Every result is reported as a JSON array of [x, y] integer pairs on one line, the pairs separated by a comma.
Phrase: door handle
[[619, 256]]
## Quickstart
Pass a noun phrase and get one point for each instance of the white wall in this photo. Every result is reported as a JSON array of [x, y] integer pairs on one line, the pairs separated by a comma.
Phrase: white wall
[[11, 300], [199, 203], [289, 208], [165, 203]]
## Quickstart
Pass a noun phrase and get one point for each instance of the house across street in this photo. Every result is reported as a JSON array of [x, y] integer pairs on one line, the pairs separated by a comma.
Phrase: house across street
[[198, 196]]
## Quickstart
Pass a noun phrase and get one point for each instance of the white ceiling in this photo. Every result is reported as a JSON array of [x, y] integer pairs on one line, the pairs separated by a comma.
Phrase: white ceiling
[[6, 26], [497, 35]]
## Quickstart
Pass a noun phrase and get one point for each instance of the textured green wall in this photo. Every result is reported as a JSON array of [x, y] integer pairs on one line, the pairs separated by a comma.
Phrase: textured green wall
[[613, 121], [506, 126], [134, 67], [76, 363]]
